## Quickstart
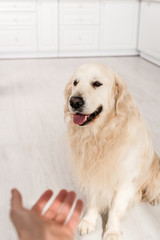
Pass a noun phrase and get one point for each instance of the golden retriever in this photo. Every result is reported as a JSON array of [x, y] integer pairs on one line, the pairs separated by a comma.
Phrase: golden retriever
[[111, 148]]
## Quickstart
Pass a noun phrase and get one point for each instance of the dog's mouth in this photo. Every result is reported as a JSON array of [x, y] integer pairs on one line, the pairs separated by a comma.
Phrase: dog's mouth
[[82, 119]]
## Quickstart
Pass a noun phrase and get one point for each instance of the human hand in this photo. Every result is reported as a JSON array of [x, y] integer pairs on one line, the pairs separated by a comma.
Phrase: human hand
[[32, 225]]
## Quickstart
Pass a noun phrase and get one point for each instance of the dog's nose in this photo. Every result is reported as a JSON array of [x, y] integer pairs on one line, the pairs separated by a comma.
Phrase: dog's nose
[[76, 102]]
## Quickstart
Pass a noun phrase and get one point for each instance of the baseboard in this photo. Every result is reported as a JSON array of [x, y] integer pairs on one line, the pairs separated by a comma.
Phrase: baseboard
[[150, 59], [106, 53], [26, 55]]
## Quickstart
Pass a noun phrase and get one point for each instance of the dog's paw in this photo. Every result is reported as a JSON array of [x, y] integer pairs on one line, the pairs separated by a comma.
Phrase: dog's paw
[[85, 227], [111, 236], [155, 201]]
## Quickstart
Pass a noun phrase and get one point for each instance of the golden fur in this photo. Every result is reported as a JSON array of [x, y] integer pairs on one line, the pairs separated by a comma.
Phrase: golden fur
[[112, 157]]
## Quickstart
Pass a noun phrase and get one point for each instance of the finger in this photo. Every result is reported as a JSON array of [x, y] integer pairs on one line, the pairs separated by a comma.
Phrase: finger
[[16, 200], [74, 219], [56, 205], [62, 215], [40, 204]]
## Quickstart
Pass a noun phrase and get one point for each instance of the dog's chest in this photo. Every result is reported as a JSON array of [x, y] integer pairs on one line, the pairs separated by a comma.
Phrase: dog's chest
[[94, 161]]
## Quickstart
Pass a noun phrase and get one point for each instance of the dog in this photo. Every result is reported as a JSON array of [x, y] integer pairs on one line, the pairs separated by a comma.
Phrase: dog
[[111, 148]]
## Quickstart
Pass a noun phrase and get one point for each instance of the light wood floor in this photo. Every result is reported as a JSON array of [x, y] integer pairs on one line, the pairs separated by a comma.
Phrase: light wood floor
[[33, 145]]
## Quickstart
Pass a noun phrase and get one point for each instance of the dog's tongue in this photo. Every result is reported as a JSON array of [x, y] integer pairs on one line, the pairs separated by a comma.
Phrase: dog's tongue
[[79, 118]]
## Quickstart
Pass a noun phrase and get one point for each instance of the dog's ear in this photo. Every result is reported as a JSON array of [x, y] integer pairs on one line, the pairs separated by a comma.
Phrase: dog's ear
[[122, 97], [67, 93]]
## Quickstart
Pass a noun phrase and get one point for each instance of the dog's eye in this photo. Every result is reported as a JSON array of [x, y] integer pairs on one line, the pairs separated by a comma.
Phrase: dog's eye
[[75, 82], [96, 84]]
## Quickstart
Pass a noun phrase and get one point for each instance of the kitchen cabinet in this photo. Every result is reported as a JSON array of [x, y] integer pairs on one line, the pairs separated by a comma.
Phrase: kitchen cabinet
[[28, 28], [57, 28], [94, 27], [79, 26], [47, 12], [18, 26], [149, 34], [119, 25]]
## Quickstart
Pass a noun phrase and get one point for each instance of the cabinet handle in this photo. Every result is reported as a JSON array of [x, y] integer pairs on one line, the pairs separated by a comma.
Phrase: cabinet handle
[[16, 40], [80, 6], [15, 5]]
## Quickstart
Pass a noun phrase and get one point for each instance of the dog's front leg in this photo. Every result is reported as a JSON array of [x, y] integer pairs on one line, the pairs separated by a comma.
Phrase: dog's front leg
[[88, 223], [123, 199]]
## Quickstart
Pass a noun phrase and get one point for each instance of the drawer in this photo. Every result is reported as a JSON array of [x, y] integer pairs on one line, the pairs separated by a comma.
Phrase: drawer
[[79, 12], [17, 18], [17, 5], [79, 5], [79, 16], [79, 38], [13, 39]]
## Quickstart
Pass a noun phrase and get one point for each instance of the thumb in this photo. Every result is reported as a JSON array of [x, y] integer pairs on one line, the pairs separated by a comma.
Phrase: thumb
[[16, 200]]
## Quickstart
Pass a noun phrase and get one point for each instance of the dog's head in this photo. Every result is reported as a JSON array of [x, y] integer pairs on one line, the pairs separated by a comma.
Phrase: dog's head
[[92, 92]]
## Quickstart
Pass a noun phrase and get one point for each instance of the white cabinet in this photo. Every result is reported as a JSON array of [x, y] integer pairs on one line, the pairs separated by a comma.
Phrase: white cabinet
[[28, 26], [17, 19], [17, 39], [79, 25], [78, 12], [79, 38], [18, 26], [119, 24], [47, 25], [17, 5], [106, 27], [149, 35], [51, 28]]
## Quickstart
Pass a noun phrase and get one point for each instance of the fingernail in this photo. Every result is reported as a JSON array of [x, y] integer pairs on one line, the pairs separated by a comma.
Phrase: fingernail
[[12, 191]]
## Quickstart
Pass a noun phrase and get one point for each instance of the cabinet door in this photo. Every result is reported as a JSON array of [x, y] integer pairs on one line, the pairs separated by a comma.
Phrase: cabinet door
[[48, 25], [79, 25], [149, 40], [17, 39], [18, 5], [79, 12], [79, 38], [119, 24]]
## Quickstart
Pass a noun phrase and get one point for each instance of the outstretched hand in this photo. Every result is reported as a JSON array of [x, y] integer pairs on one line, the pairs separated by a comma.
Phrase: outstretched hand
[[32, 225]]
